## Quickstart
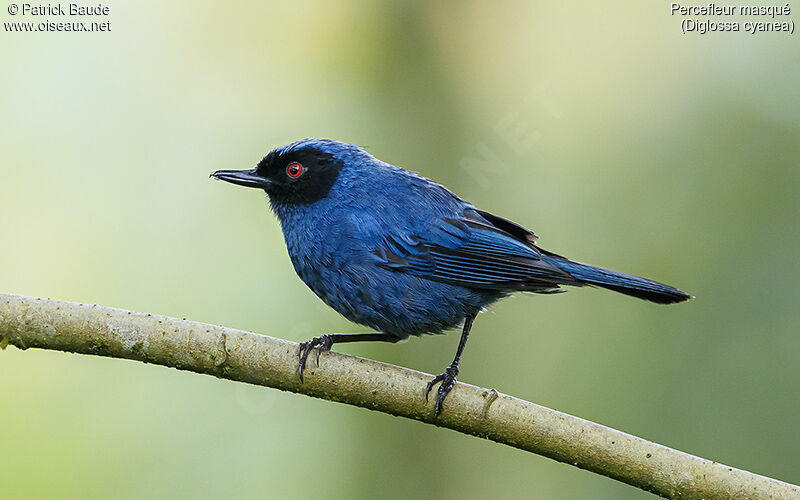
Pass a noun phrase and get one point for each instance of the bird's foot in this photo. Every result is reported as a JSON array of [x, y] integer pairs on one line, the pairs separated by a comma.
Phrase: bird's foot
[[322, 343], [448, 380]]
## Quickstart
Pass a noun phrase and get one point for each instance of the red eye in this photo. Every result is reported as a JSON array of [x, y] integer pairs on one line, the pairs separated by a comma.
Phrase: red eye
[[294, 170]]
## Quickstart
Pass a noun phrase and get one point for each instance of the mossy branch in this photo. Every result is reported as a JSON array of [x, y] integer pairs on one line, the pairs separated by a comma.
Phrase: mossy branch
[[257, 359]]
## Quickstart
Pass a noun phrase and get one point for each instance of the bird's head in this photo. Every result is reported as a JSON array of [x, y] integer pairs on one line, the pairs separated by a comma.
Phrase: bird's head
[[298, 173]]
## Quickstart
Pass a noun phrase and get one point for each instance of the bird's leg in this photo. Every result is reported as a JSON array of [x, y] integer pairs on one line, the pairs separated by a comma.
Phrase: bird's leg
[[325, 342], [448, 378]]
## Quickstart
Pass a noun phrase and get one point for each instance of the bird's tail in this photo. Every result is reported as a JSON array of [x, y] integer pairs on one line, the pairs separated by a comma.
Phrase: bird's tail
[[628, 284]]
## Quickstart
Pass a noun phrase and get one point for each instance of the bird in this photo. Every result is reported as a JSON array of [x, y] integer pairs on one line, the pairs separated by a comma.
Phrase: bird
[[402, 255]]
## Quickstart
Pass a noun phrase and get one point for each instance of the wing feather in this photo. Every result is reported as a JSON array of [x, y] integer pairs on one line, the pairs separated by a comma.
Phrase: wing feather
[[478, 250]]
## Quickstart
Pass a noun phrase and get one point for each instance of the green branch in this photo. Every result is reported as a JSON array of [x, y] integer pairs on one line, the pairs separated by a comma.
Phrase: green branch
[[258, 359]]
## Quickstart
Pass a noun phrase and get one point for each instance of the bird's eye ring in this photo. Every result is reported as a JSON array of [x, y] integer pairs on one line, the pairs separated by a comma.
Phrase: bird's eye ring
[[294, 170]]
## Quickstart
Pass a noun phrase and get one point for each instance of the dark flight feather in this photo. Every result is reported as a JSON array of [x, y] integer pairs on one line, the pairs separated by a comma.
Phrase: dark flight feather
[[485, 251]]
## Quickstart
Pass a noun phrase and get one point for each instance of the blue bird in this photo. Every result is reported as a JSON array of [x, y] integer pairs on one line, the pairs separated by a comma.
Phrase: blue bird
[[403, 255]]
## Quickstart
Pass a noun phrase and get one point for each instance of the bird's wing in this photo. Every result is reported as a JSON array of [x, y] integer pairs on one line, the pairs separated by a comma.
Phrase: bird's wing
[[476, 250]]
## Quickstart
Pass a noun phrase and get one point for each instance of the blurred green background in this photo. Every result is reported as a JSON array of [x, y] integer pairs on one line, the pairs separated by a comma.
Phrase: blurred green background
[[619, 140]]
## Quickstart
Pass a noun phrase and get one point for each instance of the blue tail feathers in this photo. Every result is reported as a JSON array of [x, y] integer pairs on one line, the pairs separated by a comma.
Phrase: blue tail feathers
[[628, 284]]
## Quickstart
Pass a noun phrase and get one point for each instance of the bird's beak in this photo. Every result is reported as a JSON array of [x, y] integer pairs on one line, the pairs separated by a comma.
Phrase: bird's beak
[[247, 178]]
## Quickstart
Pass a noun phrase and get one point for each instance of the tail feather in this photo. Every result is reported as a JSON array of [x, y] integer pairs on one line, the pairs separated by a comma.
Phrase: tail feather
[[628, 284]]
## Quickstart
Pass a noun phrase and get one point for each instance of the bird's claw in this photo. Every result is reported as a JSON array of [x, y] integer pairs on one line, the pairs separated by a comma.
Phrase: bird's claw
[[448, 380], [322, 343]]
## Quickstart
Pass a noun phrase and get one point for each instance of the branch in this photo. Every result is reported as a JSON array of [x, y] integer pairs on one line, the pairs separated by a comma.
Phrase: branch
[[258, 359]]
